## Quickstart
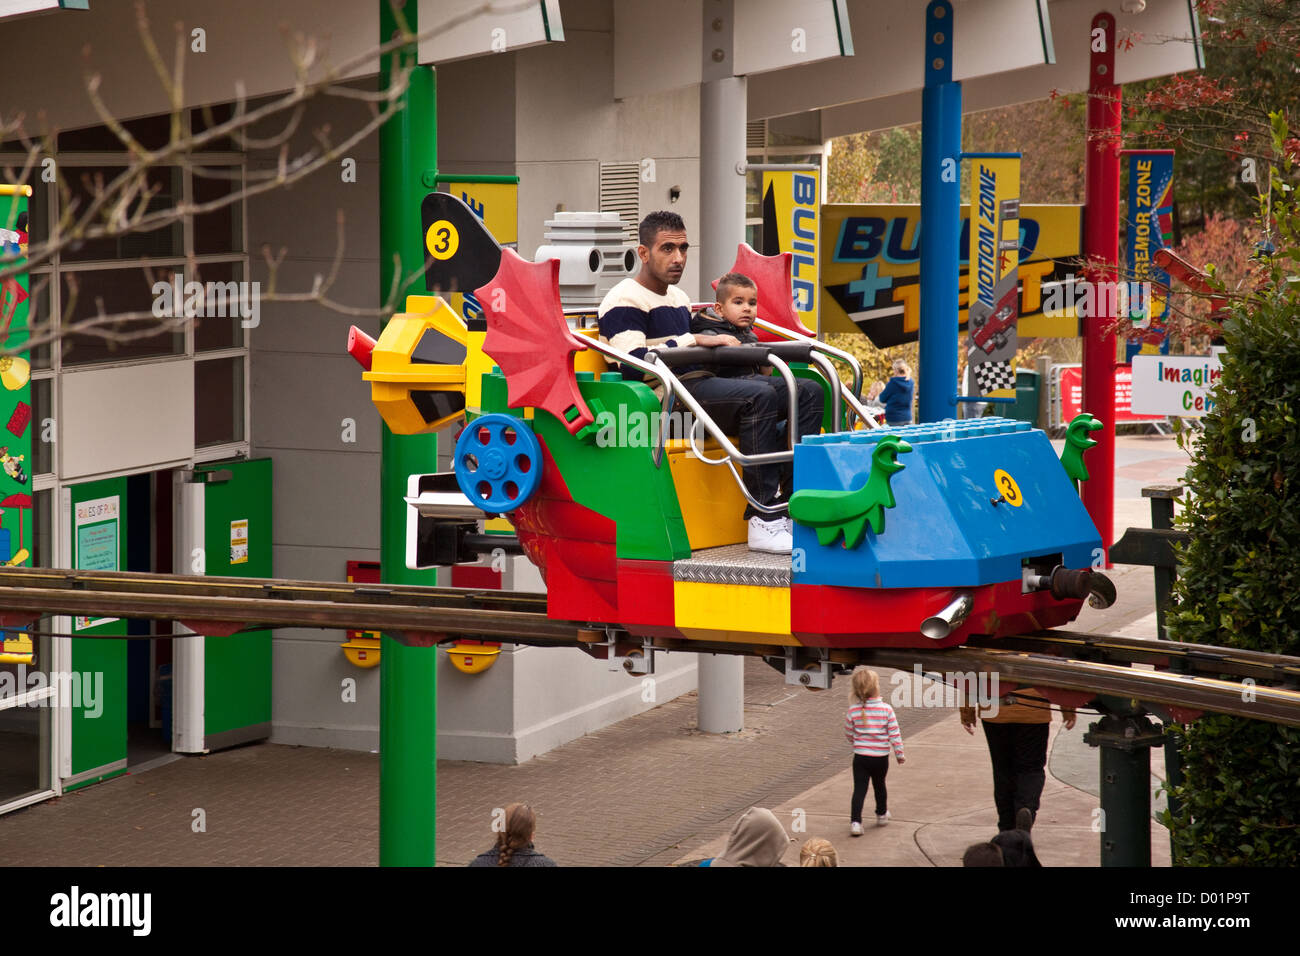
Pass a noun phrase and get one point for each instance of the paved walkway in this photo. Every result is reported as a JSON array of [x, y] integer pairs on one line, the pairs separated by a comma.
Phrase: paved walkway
[[650, 790]]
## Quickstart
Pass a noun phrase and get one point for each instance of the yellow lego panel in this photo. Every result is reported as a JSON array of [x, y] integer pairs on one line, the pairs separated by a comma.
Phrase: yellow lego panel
[[740, 637], [393, 375], [713, 508], [739, 609], [590, 360], [477, 364]]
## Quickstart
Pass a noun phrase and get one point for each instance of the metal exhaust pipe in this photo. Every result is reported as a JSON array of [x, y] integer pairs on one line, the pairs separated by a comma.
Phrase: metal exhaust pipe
[[1101, 591], [939, 626]]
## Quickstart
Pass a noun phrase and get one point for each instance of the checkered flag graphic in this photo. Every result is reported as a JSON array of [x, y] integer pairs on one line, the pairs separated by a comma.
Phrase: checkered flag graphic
[[992, 376]]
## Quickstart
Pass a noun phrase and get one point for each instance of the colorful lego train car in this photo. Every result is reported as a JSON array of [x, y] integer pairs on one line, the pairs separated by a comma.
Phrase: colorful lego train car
[[920, 536]]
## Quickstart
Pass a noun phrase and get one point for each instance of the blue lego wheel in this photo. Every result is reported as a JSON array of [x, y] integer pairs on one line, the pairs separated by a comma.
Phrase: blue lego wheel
[[498, 462]]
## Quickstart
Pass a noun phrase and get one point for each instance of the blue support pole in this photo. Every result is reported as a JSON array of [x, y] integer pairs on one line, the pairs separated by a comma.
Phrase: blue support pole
[[940, 218]]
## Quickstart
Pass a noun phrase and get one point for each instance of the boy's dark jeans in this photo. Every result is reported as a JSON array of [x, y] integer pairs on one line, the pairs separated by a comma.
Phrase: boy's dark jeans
[[754, 409]]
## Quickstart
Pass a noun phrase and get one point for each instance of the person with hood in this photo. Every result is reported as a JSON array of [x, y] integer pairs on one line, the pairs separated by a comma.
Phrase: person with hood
[[757, 839]]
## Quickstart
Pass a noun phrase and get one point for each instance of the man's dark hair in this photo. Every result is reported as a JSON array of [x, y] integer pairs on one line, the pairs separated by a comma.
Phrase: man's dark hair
[[982, 854], [734, 280], [657, 222]]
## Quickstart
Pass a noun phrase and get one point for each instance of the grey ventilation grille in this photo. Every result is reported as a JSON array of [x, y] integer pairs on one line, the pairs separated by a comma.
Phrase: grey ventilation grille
[[620, 192]]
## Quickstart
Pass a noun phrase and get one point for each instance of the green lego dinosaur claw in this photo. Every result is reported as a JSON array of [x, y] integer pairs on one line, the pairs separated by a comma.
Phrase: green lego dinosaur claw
[[588, 433], [831, 513], [1076, 443], [826, 534]]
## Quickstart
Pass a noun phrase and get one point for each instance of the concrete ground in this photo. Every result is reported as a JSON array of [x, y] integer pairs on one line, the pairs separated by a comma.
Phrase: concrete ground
[[651, 790]]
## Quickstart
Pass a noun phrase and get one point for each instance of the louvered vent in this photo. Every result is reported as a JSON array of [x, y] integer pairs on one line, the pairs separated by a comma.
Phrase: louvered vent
[[620, 192], [756, 136]]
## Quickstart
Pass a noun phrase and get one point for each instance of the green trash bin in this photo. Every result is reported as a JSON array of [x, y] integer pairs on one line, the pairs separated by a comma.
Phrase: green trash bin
[[1025, 408]]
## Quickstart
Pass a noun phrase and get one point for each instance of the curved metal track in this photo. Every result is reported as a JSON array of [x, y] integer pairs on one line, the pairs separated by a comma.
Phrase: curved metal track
[[1195, 677]]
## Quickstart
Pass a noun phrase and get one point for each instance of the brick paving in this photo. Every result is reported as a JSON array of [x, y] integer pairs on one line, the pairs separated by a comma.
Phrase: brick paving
[[630, 794]]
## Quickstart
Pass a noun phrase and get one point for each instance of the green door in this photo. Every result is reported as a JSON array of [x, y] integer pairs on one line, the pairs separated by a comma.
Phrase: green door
[[97, 522], [237, 543]]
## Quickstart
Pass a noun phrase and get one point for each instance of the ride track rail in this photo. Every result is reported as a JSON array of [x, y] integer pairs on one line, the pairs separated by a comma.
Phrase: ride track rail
[[1190, 676]]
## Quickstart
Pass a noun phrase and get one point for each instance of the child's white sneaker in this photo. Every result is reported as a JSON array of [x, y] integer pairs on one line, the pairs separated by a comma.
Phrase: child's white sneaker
[[882, 820], [770, 536], [855, 829]]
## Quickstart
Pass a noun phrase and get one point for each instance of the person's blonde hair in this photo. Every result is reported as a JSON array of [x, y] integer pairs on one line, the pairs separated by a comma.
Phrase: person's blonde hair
[[865, 684], [900, 367], [520, 823], [818, 852]]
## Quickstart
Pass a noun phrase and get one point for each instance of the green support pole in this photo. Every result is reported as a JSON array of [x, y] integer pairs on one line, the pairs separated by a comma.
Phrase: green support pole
[[408, 713], [1173, 778], [1125, 740]]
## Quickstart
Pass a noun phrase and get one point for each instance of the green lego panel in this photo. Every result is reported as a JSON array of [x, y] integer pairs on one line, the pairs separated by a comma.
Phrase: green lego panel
[[612, 471]]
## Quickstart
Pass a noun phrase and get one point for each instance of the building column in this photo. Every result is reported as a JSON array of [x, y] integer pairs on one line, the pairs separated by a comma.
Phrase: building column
[[722, 181], [723, 115]]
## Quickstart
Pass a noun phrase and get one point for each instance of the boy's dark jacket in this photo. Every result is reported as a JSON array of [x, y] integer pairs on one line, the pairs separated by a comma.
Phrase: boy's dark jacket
[[708, 322]]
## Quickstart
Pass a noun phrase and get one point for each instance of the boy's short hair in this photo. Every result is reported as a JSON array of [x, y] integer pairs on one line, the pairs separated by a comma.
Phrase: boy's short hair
[[657, 222], [734, 280], [983, 854]]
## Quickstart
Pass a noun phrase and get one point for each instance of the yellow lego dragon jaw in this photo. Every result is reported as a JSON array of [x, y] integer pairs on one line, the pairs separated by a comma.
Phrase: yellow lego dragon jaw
[[426, 368]]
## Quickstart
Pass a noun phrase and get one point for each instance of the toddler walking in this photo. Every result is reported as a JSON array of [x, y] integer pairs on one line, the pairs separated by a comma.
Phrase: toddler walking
[[872, 727]]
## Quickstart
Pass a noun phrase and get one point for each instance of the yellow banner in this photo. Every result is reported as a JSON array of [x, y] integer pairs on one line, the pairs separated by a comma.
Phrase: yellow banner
[[993, 255], [497, 204], [791, 200], [870, 270]]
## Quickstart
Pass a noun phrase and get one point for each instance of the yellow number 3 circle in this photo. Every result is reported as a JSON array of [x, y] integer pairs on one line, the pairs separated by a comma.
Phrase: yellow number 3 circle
[[442, 240], [1010, 490]]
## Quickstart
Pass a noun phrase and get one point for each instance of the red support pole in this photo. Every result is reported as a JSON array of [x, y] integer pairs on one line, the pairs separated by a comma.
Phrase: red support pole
[[1101, 248]]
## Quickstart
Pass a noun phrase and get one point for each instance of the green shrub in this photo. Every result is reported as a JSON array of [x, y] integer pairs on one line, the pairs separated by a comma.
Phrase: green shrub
[[1239, 578]]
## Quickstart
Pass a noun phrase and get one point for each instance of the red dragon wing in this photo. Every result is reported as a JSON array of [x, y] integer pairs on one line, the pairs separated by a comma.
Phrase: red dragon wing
[[775, 290], [529, 339]]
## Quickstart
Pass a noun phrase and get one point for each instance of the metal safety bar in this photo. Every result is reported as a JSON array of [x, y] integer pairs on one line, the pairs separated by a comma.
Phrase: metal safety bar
[[792, 429], [673, 385], [848, 358], [851, 397]]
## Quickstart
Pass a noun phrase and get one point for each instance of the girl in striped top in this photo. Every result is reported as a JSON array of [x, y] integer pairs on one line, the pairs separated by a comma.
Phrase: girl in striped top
[[872, 728]]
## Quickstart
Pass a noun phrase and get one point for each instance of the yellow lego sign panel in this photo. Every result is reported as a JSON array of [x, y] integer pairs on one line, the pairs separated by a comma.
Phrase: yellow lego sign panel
[[869, 272]]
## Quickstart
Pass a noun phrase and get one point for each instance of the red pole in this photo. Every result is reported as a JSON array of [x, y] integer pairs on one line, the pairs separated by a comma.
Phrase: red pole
[[1101, 248]]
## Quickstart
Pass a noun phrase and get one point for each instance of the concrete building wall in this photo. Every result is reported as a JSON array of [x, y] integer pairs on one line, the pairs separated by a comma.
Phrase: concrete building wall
[[304, 388], [241, 40], [304, 391], [546, 113], [568, 122]]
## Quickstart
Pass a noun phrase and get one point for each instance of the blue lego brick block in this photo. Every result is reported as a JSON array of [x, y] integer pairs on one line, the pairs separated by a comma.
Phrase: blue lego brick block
[[944, 530]]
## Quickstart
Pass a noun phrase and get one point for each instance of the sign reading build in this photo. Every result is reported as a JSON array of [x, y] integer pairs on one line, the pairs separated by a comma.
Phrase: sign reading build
[[791, 198], [871, 264]]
